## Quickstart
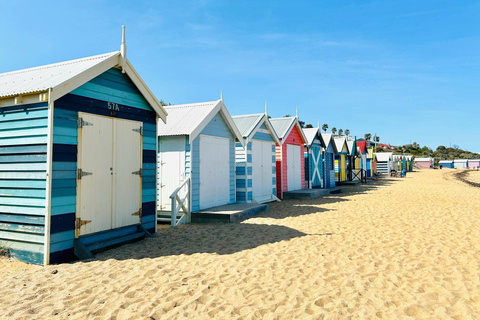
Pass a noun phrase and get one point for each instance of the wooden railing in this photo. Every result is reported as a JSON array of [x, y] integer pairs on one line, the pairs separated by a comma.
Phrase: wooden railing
[[183, 204]]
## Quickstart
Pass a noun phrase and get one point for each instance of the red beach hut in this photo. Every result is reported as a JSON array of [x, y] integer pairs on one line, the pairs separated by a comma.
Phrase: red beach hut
[[289, 155]]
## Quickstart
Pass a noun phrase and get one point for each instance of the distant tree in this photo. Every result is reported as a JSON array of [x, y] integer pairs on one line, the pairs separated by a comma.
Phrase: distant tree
[[347, 132], [456, 147], [441, 148], [368, 136], [308, 126], [340, 132], [163, 103], [334, 130], [376, 139], [325, 127], [301, 123]]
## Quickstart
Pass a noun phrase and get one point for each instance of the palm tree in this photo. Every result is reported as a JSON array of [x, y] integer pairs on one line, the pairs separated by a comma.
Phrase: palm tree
[[334, 130], [368, 136], [376, 139], [325, 127], [347, 132], [340, 132]]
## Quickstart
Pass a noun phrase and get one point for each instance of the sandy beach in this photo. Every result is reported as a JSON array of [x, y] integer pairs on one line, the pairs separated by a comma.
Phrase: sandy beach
[[392, 249]]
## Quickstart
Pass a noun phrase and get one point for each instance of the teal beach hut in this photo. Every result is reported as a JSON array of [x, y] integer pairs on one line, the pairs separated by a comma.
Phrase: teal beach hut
[[77, 158], [330, 152], [314, 159]]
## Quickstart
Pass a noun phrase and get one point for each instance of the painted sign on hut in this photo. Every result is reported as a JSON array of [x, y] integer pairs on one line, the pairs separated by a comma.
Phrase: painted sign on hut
[[255, 163], [330, 151], [314, 158], [290, 168], [77, 158], [198, 143]]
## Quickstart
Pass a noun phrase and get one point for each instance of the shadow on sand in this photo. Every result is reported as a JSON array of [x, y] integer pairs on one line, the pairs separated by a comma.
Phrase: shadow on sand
[[234, 237]]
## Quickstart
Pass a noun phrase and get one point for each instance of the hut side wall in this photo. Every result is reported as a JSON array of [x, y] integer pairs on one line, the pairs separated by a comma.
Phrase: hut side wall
[[243, 172], [217, 127], [23, 158]]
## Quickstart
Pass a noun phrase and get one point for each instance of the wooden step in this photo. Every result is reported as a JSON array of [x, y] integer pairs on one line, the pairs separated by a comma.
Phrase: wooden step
[[101, 245]]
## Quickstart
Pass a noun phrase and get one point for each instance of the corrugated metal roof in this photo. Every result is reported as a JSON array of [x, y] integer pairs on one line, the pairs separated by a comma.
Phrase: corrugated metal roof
[[282, 125], [40, 79], [460, 160], [384, 156], [183, 119], [247, 123], [445, 161]]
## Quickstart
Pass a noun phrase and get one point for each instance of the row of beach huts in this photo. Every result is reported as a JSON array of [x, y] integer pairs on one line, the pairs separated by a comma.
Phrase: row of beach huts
[[89, 158]]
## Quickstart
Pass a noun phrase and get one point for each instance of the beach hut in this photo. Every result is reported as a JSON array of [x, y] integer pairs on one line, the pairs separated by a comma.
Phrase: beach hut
[[353, 162], [314, 159], [290, 159], [329, 151], [409, 163], [198, 143], [460, 163], [371, 163], [474, 163], [362, 151], [446, 164], [77, 158], [424, 163], [255, 164], [341, 159], [384, 162]]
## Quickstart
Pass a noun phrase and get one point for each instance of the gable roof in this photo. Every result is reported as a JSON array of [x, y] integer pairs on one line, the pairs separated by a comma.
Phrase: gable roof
[[328, 139], [283, 127], [339, 142], [58, 79], [249, 124], [384, 156], [351, 147], [190, 119], [311, 134], [362, 146]]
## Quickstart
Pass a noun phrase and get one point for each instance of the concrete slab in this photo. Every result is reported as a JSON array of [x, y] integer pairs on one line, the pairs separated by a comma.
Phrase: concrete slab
[[305, 194], [228, 213]]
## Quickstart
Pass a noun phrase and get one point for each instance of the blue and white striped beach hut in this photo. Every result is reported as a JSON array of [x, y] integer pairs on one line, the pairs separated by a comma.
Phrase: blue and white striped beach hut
[[330, 152], [77, 158], [255, 163], [198, 142], [314, 158]]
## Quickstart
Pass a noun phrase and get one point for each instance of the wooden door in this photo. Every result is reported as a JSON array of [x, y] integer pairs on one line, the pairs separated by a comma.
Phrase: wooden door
[[171, 169], [94, 199], [267, 168], [294, 171], [127, 161], [257, 169], [214, 171]]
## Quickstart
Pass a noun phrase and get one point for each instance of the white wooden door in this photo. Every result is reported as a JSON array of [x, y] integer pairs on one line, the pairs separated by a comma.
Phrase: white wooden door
[[214, 171], [94, 202], [261, 169], [127, 159], [171, 169], [294, 173]]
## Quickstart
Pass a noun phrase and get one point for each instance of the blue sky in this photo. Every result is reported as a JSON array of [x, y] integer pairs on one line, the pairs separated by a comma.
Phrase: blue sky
[[406, 70]]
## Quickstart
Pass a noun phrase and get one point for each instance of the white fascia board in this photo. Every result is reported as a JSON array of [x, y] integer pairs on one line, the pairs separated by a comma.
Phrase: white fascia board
[[71, 84], [147, 94], [301, 131], [233, 127], [264, 119], [272, 131], [319, 135]]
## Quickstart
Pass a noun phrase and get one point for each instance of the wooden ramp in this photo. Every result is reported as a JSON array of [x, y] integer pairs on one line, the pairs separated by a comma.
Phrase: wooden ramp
[[305, 194], [228, 213]]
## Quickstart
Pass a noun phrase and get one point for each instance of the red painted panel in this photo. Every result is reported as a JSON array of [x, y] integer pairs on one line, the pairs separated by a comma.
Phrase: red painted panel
[[294, 138]]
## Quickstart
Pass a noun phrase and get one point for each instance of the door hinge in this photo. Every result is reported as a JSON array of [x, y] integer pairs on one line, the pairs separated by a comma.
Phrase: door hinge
[[140, 130], [138, 213], [79, 223], [82, 123], [139, 172], [81, 173]]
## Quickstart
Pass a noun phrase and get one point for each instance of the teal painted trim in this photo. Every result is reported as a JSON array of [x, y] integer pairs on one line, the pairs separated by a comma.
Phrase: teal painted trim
[[149, 134], [22, 228], [149, 166], [149, 127], [114, 87], [65, 139], [62, 209], [148, 198], [149, 146], [34, 166], [146, 173], [22, 115], [60, 246], [62, 236], [65, 114], [62, 192], [23, 219], [249, 171], [64, 175], [149, 140], [22, 193], [64, 131], [149, 225], [63, 201], [23, 132], [23, 175], [22, 209], [249, 158], [66, 183], [149, 192], [64, 166], [147, 219], [41, 139], [24, 124], [24, 158], [27, 202], [27, 256], [21, 236]]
